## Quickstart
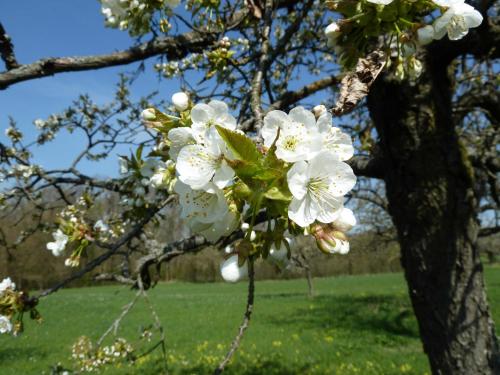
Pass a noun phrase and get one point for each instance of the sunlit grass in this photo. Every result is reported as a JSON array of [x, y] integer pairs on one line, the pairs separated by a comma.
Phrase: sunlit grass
[[355, 325]]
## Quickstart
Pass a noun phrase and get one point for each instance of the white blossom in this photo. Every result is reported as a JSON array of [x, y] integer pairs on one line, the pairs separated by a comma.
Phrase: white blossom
[[201, 163], [206, 211], [318, 187], [180, 101], [230, 270], [179, 137], [299, 138], [58, 246], [457, 20], [6, 284], [162, 175], [149, 166], [334, 140], [5, 324], [204, 116]]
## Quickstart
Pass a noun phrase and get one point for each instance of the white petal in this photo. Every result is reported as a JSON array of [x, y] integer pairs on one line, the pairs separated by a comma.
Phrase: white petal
[[345, 221], [343, 179], [272, 121], [425, 35], [195, 166], [472, 17], [179, 137], [219, 108], [300, 212], [223, 175], [440, 25], [297, 179], [328, 209], [324, 122], [201, 113], [303, 116]]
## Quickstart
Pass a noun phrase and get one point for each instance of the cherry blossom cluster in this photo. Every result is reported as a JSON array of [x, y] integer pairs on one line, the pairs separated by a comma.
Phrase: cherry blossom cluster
[[91, 359], [135, 15], [404, 24], [294, 174], [74, 227], [13, 305]]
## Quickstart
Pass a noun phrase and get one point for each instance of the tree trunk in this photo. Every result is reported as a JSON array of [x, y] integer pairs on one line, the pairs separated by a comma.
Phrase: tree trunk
[[430, 189], [310, 286]]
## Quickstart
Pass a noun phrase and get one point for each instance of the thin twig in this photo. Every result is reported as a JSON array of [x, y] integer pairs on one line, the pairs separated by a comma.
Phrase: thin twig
[[114, 327], [246, 319], [156, 318]]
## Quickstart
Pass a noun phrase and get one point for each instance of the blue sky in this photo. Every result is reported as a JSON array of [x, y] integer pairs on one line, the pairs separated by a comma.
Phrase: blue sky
[[52, 28], [60, 28]]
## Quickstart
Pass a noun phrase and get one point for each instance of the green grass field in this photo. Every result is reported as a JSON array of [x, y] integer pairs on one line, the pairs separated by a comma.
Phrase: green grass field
[[355, 325]]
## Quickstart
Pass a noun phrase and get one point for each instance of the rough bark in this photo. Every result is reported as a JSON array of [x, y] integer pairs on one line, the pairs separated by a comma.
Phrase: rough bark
[[429, 183]]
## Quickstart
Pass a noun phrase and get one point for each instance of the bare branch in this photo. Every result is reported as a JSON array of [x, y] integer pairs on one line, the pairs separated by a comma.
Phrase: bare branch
[[292, 97], [256, 90], [174, 48], [485, 232]]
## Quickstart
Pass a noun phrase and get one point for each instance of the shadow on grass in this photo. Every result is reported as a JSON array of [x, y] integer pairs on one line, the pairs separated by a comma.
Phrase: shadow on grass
[[357, 314], [15, 353]]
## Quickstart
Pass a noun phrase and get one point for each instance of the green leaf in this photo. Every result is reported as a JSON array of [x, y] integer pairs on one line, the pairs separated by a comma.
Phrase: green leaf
[[243, 148], [277, 194]]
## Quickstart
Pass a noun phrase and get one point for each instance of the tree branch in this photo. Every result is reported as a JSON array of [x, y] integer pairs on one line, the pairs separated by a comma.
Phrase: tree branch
[[367, 166], [246, 320], [174, 48], [7, 50]]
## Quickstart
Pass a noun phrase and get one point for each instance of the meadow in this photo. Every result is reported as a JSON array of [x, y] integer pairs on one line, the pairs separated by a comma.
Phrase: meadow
[[354, 325]]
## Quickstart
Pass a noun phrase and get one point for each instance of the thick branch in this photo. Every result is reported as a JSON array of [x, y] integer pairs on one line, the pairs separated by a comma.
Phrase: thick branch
[[367, 166], [292, 97], [488, 231], [7, 50], [174, 48]]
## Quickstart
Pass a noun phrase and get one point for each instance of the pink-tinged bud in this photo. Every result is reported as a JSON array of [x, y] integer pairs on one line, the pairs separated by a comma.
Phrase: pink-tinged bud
[[330, 240], [149, 114]]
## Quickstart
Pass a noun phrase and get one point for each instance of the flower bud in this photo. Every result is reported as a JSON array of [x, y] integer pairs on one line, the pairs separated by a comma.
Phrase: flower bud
[[329, 240], [149, 114], [319, 110], [332, 30], [230, 271], [180, 101]]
